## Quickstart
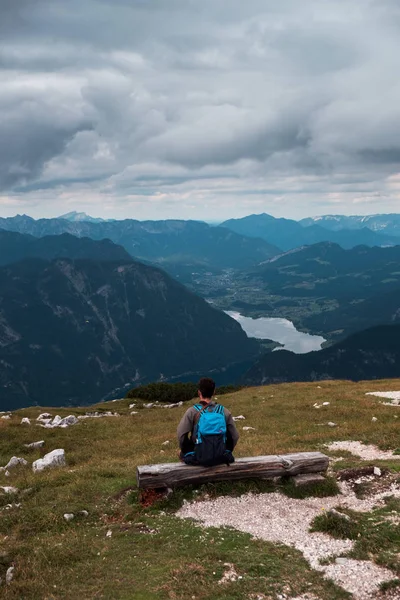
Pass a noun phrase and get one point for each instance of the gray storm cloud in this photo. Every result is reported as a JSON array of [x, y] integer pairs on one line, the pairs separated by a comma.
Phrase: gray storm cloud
[[211, 99]]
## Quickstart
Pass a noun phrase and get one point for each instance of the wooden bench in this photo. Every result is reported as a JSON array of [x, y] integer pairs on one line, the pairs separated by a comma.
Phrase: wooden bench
[[171, 475]]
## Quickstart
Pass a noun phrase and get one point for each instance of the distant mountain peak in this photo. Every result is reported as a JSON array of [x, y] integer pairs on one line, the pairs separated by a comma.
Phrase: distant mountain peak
[[75, 216]]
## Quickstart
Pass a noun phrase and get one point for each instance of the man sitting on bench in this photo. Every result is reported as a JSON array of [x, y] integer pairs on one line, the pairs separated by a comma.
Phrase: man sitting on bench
[[207, 433]]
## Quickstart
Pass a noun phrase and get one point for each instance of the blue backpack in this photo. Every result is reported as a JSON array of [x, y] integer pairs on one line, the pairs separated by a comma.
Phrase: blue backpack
[[209, 435]]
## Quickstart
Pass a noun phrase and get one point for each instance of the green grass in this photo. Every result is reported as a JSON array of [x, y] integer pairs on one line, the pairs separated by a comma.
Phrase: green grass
[[151, 554], [376, 536]]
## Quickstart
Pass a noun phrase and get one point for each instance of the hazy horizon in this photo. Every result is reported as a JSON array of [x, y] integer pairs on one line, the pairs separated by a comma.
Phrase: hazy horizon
[[205, 220]]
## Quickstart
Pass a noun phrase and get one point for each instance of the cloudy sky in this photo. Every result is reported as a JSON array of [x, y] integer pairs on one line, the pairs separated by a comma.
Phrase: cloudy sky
[[199, 108]]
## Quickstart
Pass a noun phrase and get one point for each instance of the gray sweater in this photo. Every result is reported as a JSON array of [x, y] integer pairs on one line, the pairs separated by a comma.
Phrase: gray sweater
[[186, 426]]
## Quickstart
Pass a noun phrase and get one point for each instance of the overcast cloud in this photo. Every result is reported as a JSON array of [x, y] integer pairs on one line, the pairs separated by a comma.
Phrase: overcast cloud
[[199, 108]]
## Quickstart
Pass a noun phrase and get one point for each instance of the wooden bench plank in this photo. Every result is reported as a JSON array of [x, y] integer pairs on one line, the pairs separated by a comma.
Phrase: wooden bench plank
[[264, 467]]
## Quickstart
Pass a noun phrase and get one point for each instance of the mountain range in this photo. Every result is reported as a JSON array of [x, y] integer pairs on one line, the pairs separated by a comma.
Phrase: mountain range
[[386, 224], [370, 354], [75, 330], [289, 234], [160, 242], [18, 246], [332, 291]]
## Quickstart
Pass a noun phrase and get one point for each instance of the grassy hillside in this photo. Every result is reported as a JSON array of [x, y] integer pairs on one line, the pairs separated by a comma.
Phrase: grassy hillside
[[150, 554]]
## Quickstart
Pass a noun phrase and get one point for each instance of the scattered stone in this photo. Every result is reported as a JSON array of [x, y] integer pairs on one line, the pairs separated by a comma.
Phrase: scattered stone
[[8, 489], [239, 418], [98, 415], [6, 417], [7, 473], [25, 421], [149, 405], [325, 403], [249, 428], [377, 471], [43, 416], [59, 422], [67, 421], [83, 513], [14, 462], [134, 412], [307, 479], [374, 419], [174, 405], [132, 405], [165, 443], [229, 575], [341, 561], [69, 516], [9, 575], [339, 514], [109, 533], [56, 458], [34, 445], [332, 424]]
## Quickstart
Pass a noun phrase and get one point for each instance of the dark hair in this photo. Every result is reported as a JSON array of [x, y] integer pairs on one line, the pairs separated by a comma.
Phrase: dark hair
[[206, 387]]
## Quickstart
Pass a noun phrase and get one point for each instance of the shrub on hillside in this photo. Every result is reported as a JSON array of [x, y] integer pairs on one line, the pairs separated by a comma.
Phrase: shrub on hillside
[[173, 392]]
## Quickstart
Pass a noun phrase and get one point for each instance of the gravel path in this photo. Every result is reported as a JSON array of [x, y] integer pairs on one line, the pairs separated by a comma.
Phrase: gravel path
[[277, 518], [364, 451], [393, 396]]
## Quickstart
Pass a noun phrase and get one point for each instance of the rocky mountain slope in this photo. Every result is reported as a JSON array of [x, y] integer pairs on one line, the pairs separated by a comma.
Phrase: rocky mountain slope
[[370, 354], [72, 332]]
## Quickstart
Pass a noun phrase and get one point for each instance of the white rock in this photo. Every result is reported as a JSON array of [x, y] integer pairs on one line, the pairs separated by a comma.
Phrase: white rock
[[109, 533], [25, 421], [239, 418], [248, 428], [44, 422], [377, 471], [7, 473], [8, 489], [69, 516], [339, 514], [374, 419], [56, 458], [149, 405], [14, 462], [35, 444], [44, 416], [132, 405], [67, 421], [134, 412], [325, 403], [341, 561], [83, 513], [331, 424], [56, 421], [165, 443], [6, 417], [9, 575]]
